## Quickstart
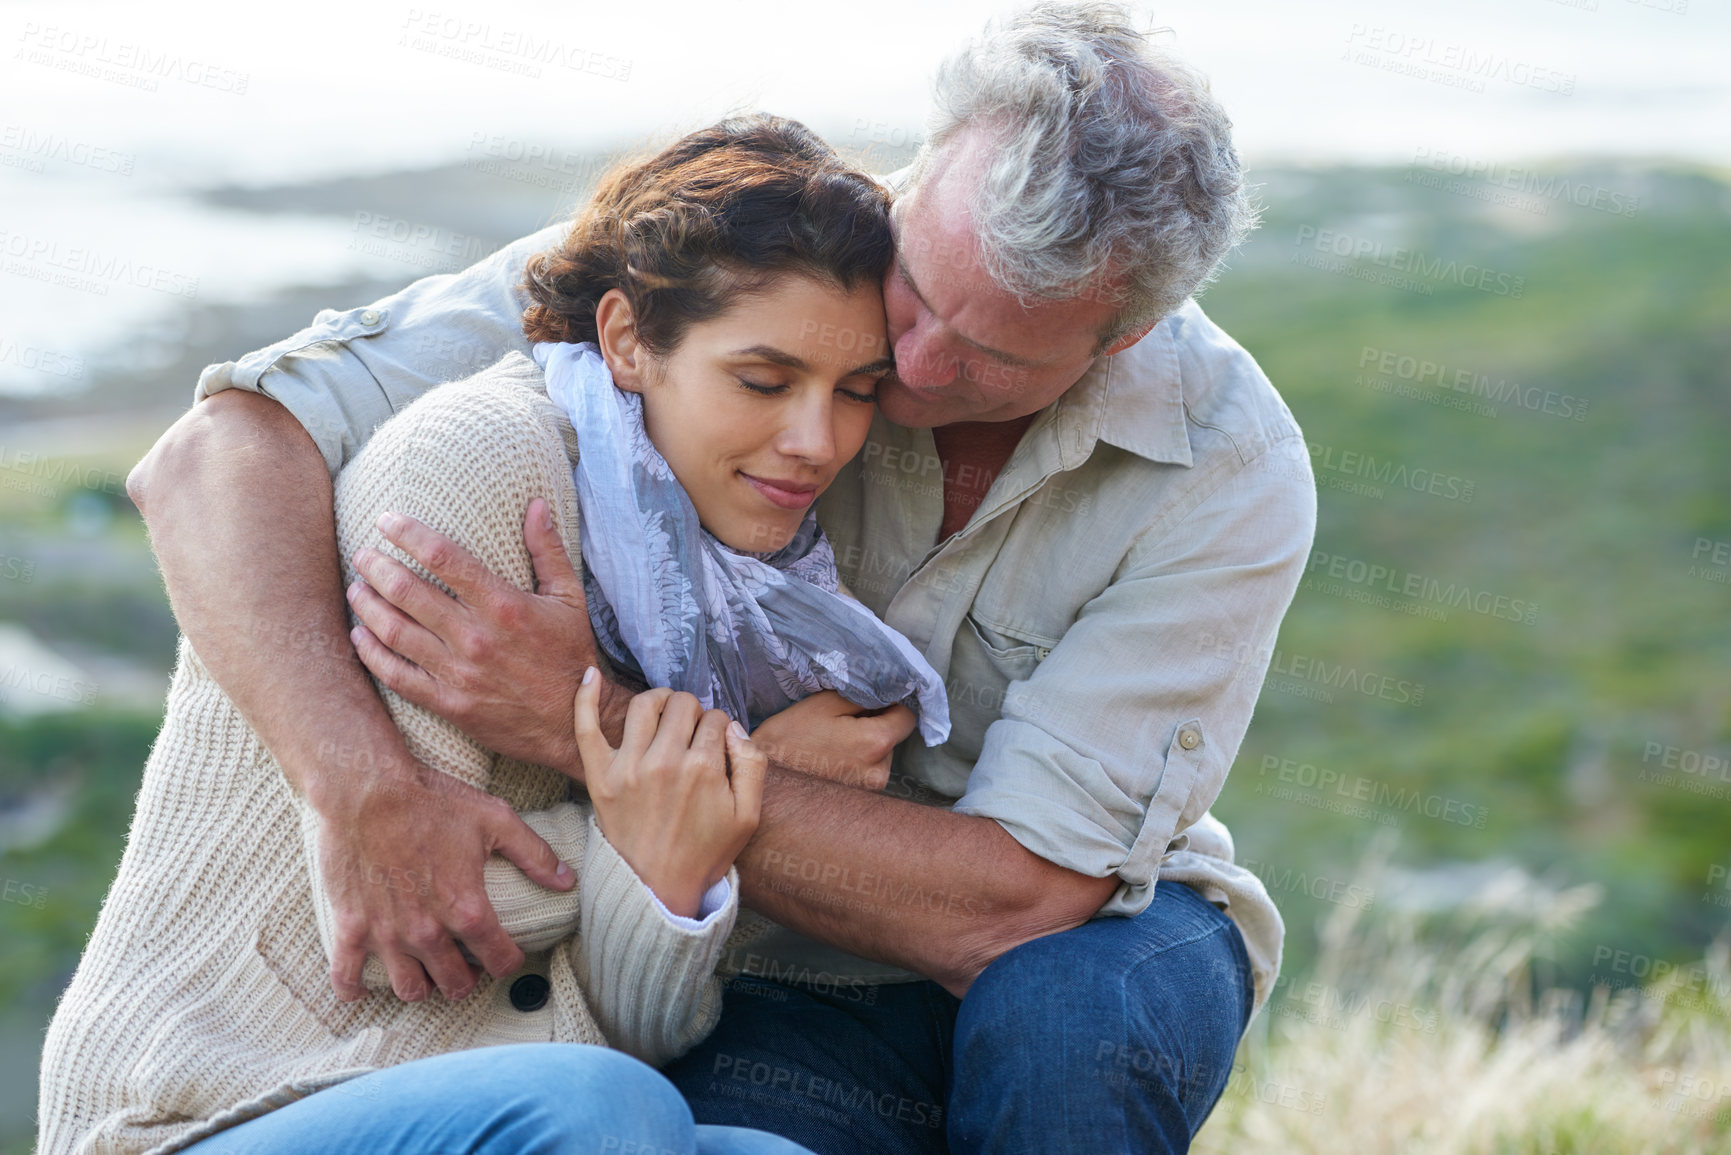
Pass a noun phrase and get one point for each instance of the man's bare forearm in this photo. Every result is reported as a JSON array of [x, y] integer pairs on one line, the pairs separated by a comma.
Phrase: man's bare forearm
[[239, 506], [938, 893]]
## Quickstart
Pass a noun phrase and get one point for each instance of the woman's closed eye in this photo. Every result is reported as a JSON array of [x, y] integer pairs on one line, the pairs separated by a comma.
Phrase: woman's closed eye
[[864, 398]]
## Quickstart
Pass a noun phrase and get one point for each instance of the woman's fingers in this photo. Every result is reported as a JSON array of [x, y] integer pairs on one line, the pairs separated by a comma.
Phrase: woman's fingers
[[642, 720], [678, 726], [749, 768], [592, 744], [709, 741]]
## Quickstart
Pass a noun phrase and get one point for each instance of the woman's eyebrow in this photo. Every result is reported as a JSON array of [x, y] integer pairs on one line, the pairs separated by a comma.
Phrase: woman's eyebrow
[[781, 357]]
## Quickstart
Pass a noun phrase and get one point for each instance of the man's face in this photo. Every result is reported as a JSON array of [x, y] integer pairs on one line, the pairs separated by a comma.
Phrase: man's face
[[965, 349]]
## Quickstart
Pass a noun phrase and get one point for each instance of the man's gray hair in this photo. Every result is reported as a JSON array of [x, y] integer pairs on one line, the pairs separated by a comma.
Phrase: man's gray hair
[[1111, 163]]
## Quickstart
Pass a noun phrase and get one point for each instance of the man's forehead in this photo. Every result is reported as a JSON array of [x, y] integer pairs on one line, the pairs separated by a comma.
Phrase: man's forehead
[[939, 253]]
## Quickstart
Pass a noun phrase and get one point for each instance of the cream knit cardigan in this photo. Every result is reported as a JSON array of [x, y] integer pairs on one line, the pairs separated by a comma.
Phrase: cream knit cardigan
[[203, 998]]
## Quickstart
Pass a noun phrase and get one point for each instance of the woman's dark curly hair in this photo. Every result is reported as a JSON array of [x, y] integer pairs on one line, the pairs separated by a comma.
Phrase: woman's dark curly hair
[[721, 212]]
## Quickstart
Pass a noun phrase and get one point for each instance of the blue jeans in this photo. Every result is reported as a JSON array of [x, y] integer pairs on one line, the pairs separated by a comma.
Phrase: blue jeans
[[1117, 1036], [528, 1099]]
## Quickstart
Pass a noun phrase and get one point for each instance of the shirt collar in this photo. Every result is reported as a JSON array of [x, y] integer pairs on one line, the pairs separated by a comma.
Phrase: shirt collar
[[1133, 400]]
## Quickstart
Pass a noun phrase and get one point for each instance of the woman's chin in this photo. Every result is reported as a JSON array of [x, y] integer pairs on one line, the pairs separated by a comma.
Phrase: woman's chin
[[757, 536]]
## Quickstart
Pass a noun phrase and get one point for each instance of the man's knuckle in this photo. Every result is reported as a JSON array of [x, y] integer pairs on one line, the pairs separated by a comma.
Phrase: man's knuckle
[[509, 613], [469, 919], [440, 553], [423, 934]]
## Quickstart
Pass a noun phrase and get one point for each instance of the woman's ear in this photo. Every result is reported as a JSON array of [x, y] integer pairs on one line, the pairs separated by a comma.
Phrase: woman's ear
[[616, 334]]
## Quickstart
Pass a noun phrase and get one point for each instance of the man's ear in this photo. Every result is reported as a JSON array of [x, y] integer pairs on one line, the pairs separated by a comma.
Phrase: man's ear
[[1128, 339], [616, 334]]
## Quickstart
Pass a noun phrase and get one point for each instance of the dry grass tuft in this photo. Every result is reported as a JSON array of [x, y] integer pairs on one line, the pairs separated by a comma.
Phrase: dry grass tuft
[[1396, 1045]]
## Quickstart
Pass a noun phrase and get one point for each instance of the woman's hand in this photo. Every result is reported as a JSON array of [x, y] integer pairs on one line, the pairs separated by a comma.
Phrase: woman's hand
[[680, 797], [827, 736]]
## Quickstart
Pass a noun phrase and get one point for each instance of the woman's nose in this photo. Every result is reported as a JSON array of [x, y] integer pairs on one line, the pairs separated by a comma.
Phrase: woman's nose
[[809, 430]]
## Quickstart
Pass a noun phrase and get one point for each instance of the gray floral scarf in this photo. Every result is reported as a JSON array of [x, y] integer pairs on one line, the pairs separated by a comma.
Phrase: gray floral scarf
[[746, 633]]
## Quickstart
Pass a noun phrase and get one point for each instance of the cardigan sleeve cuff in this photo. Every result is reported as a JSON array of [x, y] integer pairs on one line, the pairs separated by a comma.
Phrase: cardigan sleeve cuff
[[651, 980], [535, 917]]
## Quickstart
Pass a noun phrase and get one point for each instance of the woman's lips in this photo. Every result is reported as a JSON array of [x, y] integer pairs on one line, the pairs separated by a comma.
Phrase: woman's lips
[[787, 494]]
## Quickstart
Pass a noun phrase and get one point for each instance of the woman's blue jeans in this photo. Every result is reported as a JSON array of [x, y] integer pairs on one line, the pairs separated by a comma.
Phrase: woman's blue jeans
[[528, 1099], [1115, 1038]]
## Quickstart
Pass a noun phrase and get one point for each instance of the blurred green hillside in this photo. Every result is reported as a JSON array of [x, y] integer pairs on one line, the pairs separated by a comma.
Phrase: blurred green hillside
[[1513, 649], [1570, 451]]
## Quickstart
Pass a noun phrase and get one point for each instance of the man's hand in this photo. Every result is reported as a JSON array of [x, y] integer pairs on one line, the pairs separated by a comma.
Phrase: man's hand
[[500, 663], [403, 868], [827, 736]]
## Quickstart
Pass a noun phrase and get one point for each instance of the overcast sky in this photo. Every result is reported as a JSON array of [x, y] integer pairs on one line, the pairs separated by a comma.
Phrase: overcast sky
[[111, 113], [268, 91]]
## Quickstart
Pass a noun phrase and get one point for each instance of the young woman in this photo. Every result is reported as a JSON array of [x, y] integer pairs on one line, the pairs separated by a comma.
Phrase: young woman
[[698, 381]]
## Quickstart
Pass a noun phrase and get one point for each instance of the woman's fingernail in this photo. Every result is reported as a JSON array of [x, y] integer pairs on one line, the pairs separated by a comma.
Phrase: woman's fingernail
[[737, 730], [588, 675], [547, 516], [563, 874]]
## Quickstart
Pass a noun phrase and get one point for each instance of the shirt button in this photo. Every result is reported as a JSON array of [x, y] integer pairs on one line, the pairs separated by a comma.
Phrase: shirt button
[[370, 317], [529, 993], [1189, 738]]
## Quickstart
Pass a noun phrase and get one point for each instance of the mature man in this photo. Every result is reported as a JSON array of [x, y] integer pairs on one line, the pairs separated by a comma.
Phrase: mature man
[[1074, 478]]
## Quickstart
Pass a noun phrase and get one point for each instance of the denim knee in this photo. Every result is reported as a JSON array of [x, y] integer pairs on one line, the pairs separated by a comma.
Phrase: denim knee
[[573, 1097]]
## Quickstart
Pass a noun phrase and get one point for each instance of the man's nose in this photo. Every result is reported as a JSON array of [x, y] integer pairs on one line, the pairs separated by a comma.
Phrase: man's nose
[[921, 360]]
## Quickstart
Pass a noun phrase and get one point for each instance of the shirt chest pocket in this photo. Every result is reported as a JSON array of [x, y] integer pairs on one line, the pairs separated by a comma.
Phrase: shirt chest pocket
[[983, 664]]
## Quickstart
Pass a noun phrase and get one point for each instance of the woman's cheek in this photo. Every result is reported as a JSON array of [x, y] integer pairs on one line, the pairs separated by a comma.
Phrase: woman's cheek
[[852, 427]]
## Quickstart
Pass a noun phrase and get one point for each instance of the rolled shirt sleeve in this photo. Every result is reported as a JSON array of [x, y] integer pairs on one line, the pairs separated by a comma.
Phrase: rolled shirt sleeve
[[1121, 738], [349, 371]]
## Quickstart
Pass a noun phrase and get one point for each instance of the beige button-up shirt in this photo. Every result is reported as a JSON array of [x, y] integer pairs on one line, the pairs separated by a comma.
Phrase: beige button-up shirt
[[1164, 499]]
